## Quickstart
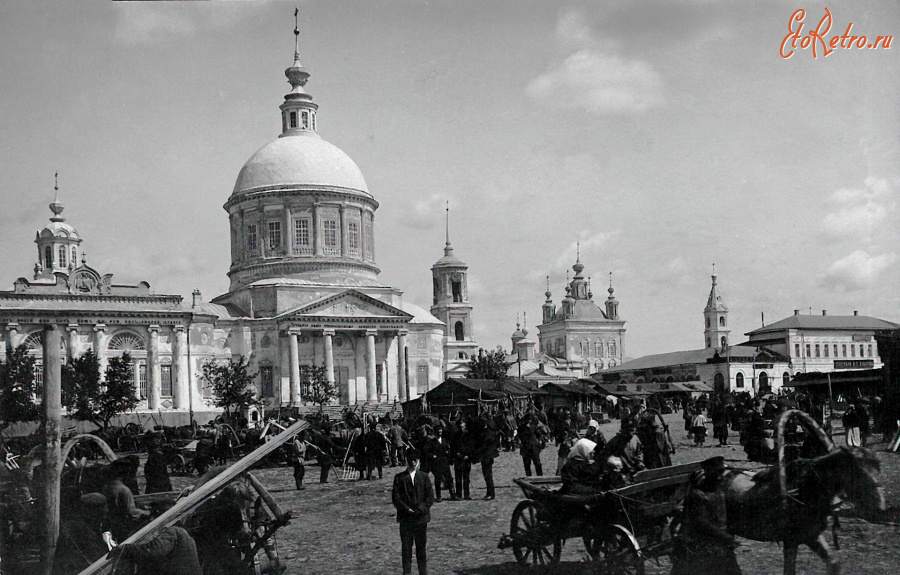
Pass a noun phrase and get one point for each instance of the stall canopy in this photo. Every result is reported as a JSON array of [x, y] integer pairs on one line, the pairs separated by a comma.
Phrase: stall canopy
[[866, 380], [462, 393]]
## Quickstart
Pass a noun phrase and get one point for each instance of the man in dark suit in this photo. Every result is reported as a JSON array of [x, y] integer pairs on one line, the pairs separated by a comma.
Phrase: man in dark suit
[[413, 495]]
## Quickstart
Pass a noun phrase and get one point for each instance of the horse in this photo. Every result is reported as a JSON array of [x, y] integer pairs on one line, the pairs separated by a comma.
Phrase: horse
[[759, 510]]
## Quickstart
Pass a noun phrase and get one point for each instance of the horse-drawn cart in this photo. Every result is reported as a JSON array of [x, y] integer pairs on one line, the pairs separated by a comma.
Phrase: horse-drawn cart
[[620, 528]]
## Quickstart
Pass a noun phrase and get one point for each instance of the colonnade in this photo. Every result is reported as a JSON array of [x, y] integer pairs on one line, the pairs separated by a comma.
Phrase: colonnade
[[365, 343], [100, 343]]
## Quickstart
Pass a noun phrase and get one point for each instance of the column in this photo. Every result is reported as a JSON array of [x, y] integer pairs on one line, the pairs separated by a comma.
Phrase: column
[[153, 380], [317, 230], [288, 232], [371, 392], [100, 348], [52, 406], [12, 337], [180, 368], [401, 370], [329, 355], [360, 368], [295, 366], [386, 369], [72, 340], [343, 221], [382, 375]]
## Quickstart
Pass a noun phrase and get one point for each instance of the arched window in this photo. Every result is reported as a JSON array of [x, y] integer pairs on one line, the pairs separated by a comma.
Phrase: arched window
[[437, 289], [460, 331], [722, 321], [719, 382], [612, 349], [786, 376], [739, 380], [708, 324], [48, 258], [62, 256], [126, 341], [74, 256], [457, 290], [763, 382]]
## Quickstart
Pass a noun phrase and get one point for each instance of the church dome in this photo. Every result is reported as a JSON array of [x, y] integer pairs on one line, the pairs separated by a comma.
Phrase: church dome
[[299, 159]]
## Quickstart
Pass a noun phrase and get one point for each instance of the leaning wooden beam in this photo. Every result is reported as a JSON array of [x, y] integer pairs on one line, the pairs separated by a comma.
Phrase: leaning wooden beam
[[267, 498], [187, 505]]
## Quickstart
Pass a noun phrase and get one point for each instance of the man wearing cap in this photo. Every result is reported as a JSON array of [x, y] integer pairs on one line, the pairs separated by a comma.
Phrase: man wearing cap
[[413, 496], [706, 547]]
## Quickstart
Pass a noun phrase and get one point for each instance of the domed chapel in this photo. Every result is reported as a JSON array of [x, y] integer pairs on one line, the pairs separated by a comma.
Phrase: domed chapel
[[303, 289]]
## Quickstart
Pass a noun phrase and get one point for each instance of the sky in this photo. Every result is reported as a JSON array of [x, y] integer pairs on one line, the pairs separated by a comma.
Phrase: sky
[[663, 136]]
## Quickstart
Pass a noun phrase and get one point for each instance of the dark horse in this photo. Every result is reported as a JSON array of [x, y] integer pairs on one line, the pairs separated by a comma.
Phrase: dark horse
[[758, 510]]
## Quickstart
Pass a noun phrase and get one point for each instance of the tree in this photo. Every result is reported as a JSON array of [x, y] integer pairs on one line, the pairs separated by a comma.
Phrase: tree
[[315, 386], [488, 365], [232, 385], [18, 391], [87, 398]]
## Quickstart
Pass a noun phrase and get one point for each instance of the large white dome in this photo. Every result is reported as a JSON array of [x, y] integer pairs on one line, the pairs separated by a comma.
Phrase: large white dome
[[302, 159]]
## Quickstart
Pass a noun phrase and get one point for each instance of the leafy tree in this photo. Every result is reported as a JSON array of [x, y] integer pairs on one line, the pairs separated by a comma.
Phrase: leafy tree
[[488, 365], [18, 391], [87, 398], [315, 385], [232, 385]]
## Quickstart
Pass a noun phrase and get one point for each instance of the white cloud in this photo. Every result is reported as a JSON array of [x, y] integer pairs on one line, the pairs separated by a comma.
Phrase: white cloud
[[859, 212], [141, 22], [591, 244], [593, 77], [426, 213], [858, 270], [599, 83]]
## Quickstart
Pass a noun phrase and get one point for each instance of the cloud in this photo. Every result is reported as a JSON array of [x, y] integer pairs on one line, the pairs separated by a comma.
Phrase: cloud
[[858, 270], [591, 243], [426, 213], [143, 22], [593, 78], [859, 212]]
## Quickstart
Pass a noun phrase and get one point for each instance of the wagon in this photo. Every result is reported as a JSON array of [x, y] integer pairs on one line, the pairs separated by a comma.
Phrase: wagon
[[620, 528]]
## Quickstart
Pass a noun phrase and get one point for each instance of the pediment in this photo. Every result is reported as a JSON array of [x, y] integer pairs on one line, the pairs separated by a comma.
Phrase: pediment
[[350, 304]]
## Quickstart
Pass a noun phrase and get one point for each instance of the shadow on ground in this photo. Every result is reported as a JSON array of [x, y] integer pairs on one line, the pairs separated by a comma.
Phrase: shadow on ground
[[513, 568]]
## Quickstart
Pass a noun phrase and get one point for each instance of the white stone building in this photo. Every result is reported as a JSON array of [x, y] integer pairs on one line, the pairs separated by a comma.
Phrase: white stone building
[[581, 337], [304, 289]]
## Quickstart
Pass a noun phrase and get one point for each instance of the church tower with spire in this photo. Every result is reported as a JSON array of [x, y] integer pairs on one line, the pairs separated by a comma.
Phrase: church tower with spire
[[716, 317], [451, 305]]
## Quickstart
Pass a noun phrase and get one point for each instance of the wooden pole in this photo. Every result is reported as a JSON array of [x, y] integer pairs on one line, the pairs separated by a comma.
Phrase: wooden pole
[[52, 439], [406, 373], [830, 406]]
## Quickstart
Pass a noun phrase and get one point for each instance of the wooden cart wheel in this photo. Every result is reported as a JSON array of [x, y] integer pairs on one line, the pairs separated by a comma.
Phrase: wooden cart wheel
[[534, 542], [617, 553]]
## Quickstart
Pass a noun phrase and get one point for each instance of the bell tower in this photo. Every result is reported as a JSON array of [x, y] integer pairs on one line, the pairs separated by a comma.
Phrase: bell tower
[[451, 305], [716, 317]]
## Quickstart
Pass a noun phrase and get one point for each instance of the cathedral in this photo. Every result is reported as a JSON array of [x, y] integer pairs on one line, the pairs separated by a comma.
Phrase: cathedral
[[581, 337], [304, 290]]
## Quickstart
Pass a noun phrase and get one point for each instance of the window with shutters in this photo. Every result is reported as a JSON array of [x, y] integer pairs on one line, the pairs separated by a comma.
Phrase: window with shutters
[[353, 238], [142, 380], [274, 236], [165, 380], [330, 237], [267, 382], [422, 377], [302, 243], [251, 238]]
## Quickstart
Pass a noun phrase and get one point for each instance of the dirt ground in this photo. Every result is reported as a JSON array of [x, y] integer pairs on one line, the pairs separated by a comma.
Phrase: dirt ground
[[349, 527]]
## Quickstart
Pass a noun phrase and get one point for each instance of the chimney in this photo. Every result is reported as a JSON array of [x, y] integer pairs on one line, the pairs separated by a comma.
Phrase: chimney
[[198, 297], [796, 312], [824, 312], [762, 317], [855, 312]]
